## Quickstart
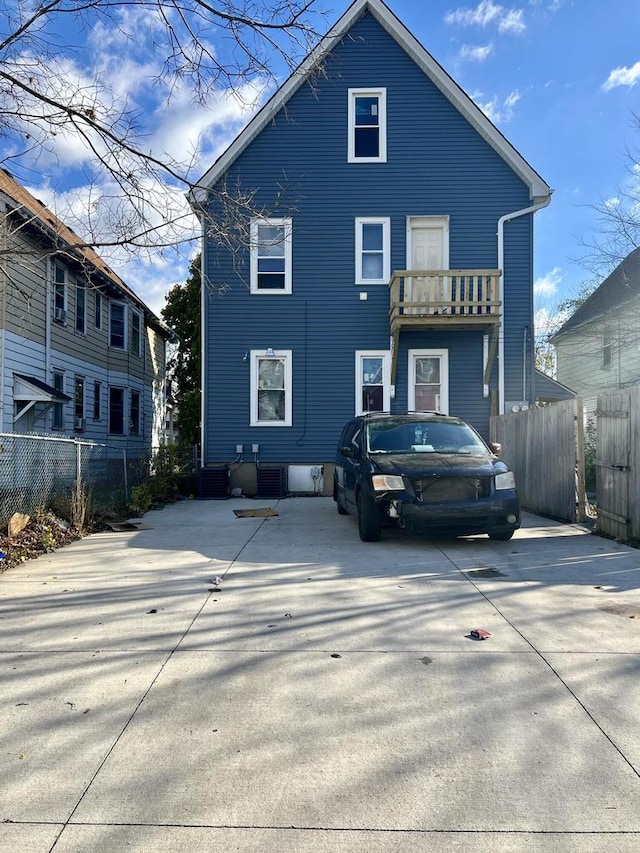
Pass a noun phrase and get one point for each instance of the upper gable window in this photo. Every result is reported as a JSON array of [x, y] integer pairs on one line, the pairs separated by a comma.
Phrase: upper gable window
[[271, 256], [367, 126]]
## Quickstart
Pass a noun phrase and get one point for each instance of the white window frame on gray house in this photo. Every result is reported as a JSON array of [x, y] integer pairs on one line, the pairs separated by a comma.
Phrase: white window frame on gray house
[[373, 250], [271, 256], [59, 293], [81, 307], [267, 384], [367, 113], [117, 304], [136, 346]]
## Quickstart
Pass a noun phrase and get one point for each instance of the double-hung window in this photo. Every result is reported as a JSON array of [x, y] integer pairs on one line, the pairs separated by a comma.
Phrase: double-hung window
[[271, 388], [134, 413], [59, 294], [97, 317], [367, 126], [58, 412], [116, 411], [429, 381], [271, 256], [118, 324], [136, 333], [97, 400], [81, 308], [373, 381], [373, 264]]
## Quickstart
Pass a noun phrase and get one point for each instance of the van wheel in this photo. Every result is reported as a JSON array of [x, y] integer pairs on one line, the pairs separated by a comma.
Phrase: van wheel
[[369, 522], [336, 497], [501, 535]]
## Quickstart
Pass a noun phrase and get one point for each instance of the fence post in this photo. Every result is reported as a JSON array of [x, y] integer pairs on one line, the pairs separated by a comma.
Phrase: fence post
[[581, 503], [78, 462], [126, 480]]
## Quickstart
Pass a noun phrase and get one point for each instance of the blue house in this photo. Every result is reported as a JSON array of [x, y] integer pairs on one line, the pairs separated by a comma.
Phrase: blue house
[[384, 261]]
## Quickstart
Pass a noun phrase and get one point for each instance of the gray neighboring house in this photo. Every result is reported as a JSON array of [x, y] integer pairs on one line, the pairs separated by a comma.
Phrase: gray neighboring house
[[80, 353], [598, 347]]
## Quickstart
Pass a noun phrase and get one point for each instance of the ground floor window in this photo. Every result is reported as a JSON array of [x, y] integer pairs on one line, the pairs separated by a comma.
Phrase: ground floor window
[[271, 393], [428, 381], [134, 413], [58, 413], [372, 381], [116, 411]]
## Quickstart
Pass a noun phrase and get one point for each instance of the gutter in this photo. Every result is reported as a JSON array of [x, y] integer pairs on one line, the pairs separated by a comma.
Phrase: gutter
[[500, 234]]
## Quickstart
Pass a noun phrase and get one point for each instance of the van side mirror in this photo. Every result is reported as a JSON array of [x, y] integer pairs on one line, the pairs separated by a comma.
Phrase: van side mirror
[[496, 448], [349, 451]]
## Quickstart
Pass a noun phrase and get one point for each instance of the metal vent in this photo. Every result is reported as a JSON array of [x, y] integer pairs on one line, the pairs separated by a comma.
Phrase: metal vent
[[272, 483], [213, 483]]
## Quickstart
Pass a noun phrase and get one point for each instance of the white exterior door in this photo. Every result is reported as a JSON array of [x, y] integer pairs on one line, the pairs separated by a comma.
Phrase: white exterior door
[[427, 249]]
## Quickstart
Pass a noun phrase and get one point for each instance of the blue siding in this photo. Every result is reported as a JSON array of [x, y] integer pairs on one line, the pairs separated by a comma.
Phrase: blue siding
[[437, 165]]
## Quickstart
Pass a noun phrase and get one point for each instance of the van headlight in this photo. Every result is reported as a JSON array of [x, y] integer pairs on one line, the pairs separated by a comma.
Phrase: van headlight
[[505, 480], [387, 483]]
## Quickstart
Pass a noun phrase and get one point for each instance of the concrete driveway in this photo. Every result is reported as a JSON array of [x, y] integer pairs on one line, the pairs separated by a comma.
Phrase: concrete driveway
[[327, 697]]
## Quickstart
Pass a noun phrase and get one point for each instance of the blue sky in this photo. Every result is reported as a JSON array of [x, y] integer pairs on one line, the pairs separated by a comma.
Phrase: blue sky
[[560, 78]]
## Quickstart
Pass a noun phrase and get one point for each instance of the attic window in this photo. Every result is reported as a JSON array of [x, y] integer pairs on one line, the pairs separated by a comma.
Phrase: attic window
[[367, 126]]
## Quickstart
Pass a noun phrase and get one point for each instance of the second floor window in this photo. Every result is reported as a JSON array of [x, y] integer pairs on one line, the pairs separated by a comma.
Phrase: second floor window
[[136, 333], [372, 251], [97, 317], [117, 324], [367, 126], [271, 256], [59, 294], [81, 308]]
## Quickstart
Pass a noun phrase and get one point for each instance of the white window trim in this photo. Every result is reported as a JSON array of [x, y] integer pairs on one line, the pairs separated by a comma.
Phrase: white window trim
[[98, 316], [62, 373], [385, 221], [124, 347], [386, 377], [288, 242], [137, 352], [287, 356], [133, 391], [65, 292], [381, 95], [443, 355], [124, 433]]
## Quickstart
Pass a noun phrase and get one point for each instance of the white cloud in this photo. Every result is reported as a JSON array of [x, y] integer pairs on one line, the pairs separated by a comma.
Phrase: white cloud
[[512, 22], [547, 285], [498, 112], [485, 13], [622, 76], [476, 53]]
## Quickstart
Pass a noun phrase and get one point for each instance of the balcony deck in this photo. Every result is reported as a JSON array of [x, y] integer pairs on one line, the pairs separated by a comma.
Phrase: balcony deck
[[444, 299]]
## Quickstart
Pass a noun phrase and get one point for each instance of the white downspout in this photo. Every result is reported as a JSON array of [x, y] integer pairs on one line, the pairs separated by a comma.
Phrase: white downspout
[[507, 218], [203, 324]]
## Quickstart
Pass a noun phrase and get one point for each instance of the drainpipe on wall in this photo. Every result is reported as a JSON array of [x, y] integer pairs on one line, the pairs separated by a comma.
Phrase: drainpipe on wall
[[203, 306], [47, 323], [507, 218]]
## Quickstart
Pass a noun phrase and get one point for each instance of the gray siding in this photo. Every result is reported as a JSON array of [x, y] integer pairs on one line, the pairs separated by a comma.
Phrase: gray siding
[[437, 164]]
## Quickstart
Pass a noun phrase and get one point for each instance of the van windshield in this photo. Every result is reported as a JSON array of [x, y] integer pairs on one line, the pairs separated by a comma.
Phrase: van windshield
[[420, 436]]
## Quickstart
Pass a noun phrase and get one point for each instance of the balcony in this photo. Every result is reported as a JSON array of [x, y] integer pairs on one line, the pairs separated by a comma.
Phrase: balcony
[[444, 299]]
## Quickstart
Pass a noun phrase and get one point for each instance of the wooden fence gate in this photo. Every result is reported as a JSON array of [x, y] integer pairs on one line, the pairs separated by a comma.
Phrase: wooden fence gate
[[545, 450], [617, 420]]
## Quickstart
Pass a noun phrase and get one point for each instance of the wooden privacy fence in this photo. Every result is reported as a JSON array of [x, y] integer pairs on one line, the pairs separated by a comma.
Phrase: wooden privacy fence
[[545, 450], [618, 463]]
